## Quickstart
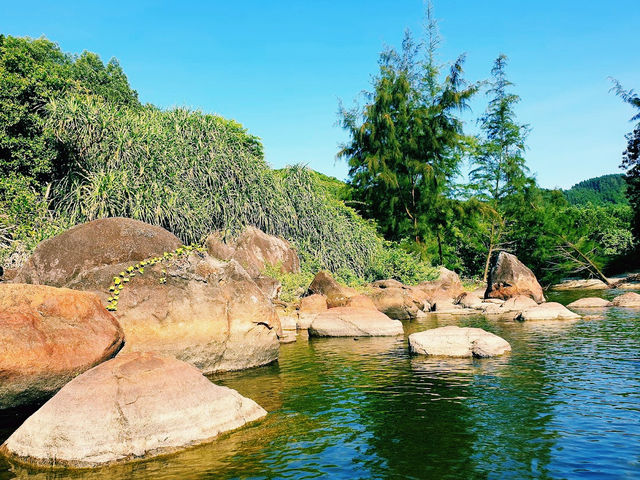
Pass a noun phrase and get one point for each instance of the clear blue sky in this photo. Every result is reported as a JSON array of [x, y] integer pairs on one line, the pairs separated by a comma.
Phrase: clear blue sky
[[279, 67]]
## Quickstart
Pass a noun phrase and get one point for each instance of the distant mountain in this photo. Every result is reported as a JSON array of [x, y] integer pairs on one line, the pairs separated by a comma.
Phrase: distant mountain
[[603, 190]]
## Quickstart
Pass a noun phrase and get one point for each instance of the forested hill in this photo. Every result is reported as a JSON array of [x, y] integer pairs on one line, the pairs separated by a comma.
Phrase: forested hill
[[603, 190]]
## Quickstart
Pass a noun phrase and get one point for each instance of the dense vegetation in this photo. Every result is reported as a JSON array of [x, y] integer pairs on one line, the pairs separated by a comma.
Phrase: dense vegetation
[[406, 151], [80, 147], [76, 145], [604, 190]]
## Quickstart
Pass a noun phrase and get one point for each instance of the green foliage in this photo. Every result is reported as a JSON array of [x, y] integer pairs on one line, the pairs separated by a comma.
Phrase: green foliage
[[603, 190], [193, 173], [396, 263], [25, 219], [406, 143], [33, 72]]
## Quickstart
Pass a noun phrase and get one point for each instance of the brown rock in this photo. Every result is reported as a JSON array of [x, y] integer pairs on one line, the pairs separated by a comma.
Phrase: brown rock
[[508, 277], [254, 250], [64, 260], [209, 313], [48, 336], [269, 286], [313, 303], [337, 295], [133, 406], [630, 299], [447, 286], [361, 301], [398, 303]]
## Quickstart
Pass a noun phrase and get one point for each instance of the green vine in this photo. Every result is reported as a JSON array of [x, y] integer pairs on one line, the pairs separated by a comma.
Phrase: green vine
[[132, 271]]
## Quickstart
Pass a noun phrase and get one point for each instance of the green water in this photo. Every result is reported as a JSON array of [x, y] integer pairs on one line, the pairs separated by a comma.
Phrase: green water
[[564, 404]]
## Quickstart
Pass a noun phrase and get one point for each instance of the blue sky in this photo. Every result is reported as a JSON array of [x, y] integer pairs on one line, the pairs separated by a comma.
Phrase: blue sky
[[280, 67]]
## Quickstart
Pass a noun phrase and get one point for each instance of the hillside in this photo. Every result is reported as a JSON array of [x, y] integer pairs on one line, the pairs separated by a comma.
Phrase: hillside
[[603, 190]]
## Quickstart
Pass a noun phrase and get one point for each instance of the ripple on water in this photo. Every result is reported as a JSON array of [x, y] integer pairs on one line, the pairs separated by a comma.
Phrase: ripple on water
[[564, 404]]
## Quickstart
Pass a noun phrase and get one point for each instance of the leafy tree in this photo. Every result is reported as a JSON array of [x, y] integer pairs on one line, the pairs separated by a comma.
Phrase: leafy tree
[[631, 156], [500, 170], [406, 143], [32, 73]]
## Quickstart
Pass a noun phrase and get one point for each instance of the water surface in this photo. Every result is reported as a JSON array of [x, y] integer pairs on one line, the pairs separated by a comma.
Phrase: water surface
[[564, 404]]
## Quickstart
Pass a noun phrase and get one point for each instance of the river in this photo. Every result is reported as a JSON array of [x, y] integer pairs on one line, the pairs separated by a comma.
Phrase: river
[[564, 404]]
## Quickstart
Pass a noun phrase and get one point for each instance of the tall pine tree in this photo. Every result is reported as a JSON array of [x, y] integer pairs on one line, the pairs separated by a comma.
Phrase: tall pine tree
[[406, 143], [499, 169]]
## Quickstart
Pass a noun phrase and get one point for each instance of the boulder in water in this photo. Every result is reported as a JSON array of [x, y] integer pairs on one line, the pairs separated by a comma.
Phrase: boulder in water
[[134, 406], [509, 277], [453, 341]]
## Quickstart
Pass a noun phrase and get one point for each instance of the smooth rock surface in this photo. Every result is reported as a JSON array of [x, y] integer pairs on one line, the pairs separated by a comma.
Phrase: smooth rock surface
[[354, 322], [133, 406], [400, 303], [590, 302], [48, 336], [453, 341], [447, 285], [509, 277], [586, 284], [71, 258], [361, 301], [209, 313], [255, 250], [518, 304], [629, 299], [547, 311]]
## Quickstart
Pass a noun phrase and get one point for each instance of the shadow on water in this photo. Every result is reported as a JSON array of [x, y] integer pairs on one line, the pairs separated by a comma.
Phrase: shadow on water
[[564, 404]]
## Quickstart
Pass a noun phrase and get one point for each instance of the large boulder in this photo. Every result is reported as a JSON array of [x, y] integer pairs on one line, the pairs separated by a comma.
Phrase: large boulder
[[255, 250], [310, 306], [590, 302], [354, 322], [453, 341], [630, 299], [48, 336], [201, 310], [337, 295], [547, 311], [134, 406], [66, 260], [447, 286], [509, 277]]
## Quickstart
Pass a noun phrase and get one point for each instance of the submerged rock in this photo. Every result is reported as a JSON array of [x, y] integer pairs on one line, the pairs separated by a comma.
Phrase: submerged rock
[[547, 311], [206, 312], [71, 258], [354, 322], [590, 302], [255, 250], [48, 336], [453, 341], [509, 277], [133, 406], [629, 299]]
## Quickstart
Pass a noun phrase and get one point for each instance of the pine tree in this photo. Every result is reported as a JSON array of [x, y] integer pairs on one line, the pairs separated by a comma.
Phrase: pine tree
[[405, 146], [631, 157], [500, 170]]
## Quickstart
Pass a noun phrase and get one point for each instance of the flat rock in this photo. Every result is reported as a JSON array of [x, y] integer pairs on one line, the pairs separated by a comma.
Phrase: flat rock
[[48, 336], [590, 302], [66, 259], [133, 406], [586, 284], [453, 341], [509, 277], [547, 311], [629, 299], [354, 322]]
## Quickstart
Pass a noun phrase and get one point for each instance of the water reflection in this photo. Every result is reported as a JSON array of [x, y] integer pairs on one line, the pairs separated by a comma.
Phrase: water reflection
[[564, 404]]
